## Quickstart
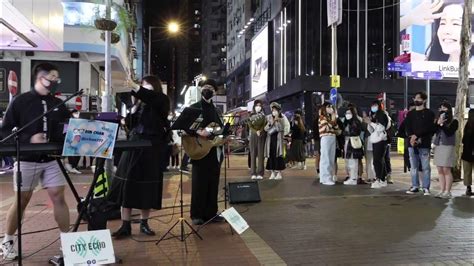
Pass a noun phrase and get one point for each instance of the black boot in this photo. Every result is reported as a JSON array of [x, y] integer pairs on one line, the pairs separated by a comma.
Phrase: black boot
[[144, 228], [468, 191], [124, 231]]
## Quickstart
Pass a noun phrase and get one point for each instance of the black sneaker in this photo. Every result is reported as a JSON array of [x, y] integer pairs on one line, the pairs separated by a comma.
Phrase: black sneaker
[[413, 190], [197, 221]]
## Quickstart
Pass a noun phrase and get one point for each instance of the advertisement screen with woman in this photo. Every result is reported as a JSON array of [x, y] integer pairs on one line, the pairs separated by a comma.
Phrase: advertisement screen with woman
[[434, 30]]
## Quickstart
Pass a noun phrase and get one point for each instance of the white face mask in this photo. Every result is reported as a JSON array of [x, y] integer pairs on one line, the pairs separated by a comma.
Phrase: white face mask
[[275, 113], [170, 117], [75, 115], [348, 116], [147, 86], [258, 109]]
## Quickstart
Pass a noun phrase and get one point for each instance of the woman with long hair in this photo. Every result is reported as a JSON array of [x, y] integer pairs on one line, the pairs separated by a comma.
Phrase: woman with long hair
[[138, 182], [468, 152], [276, 128], [444, 140], [377, 126], [297, 153], [446, 33], [328, 129], [353, 148]]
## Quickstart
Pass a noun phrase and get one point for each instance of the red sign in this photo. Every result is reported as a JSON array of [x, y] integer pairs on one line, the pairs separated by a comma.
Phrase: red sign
[[12, 83], [78, 103], [403, 58]]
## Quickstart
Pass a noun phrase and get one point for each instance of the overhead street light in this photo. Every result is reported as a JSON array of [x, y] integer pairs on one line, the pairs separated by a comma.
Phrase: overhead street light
[[172, 28]]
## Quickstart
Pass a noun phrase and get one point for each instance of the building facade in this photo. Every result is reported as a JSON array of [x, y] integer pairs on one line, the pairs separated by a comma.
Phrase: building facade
[[79, 51], [213, 39], [300, 52]]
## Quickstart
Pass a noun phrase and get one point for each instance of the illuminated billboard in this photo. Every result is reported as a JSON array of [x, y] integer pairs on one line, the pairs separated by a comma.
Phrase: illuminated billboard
[[259, 63], [431, 31]]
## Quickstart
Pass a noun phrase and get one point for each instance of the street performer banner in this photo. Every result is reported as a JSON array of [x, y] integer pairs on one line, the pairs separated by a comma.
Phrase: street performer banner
[[90, 138]]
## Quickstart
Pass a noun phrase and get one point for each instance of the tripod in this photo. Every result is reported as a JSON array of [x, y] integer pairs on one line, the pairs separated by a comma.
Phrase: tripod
[[181, 220], [184, 122], [19, 180]]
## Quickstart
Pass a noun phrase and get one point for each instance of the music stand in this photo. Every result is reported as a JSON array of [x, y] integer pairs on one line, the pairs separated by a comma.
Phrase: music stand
[[185, 122]]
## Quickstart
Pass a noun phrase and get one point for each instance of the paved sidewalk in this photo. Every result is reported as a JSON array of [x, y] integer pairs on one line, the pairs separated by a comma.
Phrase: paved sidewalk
[[298, 222]]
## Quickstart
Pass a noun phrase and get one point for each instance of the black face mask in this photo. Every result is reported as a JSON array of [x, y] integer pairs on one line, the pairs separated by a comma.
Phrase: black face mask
[[418, 103], [207, 94], [53, 87]]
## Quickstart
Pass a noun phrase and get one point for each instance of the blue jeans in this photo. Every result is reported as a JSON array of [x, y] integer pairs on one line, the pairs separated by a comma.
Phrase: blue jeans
[[421, 155], [8, 161]]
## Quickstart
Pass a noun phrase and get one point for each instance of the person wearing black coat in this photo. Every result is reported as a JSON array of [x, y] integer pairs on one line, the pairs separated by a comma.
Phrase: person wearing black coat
[[468, 152], [206, 171], [138, 181], [353, 148]]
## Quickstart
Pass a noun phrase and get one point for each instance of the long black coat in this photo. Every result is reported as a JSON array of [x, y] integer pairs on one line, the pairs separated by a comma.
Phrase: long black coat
[[468, 144], [138, 182]]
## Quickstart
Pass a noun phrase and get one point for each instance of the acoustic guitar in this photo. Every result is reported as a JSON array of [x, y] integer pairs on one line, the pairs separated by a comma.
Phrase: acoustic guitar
[[197, 147]]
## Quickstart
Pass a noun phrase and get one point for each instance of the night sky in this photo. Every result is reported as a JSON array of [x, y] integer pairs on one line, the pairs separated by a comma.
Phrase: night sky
[[158, 13]]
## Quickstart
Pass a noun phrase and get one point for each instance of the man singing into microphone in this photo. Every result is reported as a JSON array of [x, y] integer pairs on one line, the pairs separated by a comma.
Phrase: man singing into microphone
[[39, 167]]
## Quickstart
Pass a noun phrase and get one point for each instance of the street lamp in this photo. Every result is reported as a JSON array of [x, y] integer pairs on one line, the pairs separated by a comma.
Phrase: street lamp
[[173, 28]]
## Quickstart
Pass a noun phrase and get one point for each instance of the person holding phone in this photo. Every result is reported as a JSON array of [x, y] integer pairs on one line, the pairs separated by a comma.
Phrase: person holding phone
[[445, 139]]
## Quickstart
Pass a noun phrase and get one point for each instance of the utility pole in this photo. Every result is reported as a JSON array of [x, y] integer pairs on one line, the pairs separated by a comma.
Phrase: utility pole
[[107, 96]]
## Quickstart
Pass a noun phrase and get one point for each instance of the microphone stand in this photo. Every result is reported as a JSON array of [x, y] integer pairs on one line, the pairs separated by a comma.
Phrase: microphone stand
[[16, 135]]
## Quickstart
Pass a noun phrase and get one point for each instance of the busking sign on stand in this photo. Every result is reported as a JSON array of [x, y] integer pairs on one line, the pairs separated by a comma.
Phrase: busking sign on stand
[[90, 138], [87, 248]]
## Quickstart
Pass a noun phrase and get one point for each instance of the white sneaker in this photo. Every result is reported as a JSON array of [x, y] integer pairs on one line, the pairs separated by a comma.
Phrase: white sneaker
[[272, 176], [329, 183], [75, 171], [278, 176], [334, 178], [426, 192], [253, 177], [350, 182], [68, 167], [383, 183], [376, 184], [8, 251], [439, 195], [259, 177], [446, 195]]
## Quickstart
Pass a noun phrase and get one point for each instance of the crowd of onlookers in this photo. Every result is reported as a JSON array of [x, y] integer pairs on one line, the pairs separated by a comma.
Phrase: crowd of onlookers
[[284, 142]]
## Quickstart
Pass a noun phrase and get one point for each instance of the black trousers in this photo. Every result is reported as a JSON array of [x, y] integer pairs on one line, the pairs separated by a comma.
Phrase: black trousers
[[379, 150], [205, 186], [74, 161]]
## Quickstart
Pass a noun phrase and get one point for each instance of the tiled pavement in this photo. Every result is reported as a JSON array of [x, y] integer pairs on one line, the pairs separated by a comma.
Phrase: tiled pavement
[[298, 222]]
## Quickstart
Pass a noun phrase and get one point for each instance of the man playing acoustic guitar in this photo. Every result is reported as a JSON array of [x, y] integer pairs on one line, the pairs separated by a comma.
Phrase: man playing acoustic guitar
[[206, 171]]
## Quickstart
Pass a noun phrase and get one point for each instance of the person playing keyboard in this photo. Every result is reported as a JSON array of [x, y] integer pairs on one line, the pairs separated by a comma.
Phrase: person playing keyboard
[[38, 168]]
